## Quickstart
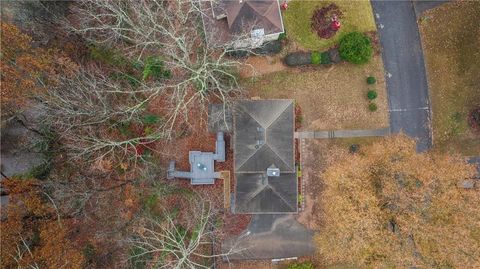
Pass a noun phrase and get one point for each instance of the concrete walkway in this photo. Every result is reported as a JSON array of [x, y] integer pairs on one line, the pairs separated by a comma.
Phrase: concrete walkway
[[342, 133], [405, 70]]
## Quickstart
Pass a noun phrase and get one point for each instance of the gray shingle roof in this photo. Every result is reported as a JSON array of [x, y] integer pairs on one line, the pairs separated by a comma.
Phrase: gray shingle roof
[[244, 15], [257, 193], [263, 137]]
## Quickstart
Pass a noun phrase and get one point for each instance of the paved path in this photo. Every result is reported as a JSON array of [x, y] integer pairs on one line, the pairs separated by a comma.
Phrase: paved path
[[272, 236], [405, 70], [342, 133]]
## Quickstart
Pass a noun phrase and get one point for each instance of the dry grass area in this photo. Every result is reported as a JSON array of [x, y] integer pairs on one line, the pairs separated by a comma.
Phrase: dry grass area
[[262, 65], [451, 44], [332, 97]]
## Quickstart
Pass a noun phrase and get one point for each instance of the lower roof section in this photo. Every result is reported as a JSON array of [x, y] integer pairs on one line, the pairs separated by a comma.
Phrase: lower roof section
[[258, 193]]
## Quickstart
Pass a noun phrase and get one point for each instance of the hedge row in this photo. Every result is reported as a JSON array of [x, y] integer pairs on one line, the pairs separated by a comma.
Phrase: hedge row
[[354, 47], [305, 58], [298, 58]]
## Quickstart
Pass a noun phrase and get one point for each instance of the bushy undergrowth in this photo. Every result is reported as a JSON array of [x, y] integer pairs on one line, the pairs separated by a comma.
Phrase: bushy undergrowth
[[356, 48]]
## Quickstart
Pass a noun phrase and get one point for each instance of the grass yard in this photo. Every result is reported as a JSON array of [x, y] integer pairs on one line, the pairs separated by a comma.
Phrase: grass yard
[[451, 42], [330, 98], [357, 16]]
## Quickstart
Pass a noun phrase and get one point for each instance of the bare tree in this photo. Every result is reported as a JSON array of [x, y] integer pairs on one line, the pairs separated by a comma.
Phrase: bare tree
[[86, 110], [184, 241], [172, 30]]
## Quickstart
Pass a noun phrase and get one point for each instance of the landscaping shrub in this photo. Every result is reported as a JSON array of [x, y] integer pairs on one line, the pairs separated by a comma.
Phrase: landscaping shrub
[[354, 148], [356, 48], [372, 107], [303, 265], [474, 119], [325, 58], [282, 36], [322, 19], [298, 58], [371, 80], [316, 57], [334, 55], [371, 95]]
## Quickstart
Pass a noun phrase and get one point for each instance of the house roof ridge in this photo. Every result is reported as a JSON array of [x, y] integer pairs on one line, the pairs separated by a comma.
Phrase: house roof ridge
[[278, 155], [280, 196], [266, 140], [256, 193]]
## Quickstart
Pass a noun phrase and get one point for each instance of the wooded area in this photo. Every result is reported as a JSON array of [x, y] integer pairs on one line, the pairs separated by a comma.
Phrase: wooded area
[[140, 77]]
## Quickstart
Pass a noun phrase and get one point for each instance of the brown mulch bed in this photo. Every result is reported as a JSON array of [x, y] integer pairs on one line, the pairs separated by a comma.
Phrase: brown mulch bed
[[234, 224], [322, 19]]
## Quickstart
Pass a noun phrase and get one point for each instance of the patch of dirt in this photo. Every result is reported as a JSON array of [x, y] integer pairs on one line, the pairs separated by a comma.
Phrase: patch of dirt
[[322, 20], [260, 65], [317, 155]]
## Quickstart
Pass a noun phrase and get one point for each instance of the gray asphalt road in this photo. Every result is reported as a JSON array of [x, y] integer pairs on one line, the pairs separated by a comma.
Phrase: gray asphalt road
[[405, 70]]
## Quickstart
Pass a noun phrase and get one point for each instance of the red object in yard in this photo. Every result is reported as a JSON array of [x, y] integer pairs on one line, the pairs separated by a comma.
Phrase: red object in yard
[[335, 25], [284, 5]]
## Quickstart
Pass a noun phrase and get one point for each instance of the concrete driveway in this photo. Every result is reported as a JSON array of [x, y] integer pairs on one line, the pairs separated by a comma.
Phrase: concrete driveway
[[405, 70], [270, 236]]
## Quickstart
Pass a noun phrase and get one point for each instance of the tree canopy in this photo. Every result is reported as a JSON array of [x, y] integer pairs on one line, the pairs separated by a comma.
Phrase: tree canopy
[[33, 234], [26, 69], [389, 206]]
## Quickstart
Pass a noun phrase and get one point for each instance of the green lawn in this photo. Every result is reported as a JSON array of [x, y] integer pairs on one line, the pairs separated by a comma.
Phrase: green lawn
[[357, 16]]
